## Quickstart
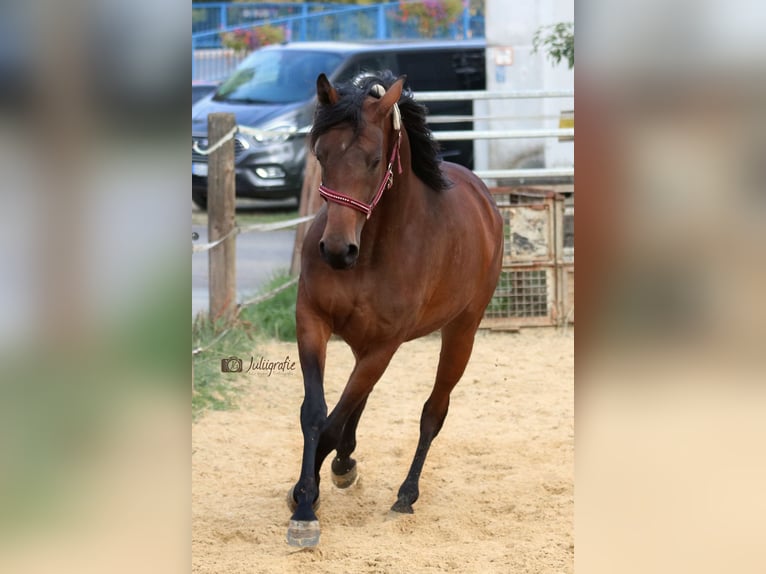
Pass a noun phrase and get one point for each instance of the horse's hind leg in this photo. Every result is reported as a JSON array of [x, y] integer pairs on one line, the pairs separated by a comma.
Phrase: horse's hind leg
[[457, 344], [344, 471]]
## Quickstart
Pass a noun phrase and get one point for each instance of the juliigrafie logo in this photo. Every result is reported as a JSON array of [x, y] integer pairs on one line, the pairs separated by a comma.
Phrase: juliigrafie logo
[[231, 365], [261, 365]]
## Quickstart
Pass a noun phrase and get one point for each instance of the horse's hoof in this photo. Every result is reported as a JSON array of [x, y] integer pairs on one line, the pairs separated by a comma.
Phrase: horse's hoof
[[292, 505], [402, 508], [345, 480], [303, 533]]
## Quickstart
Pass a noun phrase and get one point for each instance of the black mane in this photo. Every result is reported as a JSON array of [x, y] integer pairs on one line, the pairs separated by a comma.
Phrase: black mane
[[348, 110]]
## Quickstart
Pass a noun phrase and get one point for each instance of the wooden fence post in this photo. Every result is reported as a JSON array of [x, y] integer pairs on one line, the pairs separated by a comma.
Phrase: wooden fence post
[[221, 203]]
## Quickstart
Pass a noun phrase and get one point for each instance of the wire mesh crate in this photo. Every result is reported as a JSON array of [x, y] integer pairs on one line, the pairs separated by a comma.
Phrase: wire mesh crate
[[536, 282]]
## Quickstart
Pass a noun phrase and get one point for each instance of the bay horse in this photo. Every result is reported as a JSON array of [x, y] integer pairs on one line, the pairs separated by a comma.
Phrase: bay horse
[[404, 245]]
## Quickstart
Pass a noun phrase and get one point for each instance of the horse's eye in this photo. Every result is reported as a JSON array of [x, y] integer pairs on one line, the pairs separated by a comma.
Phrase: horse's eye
[[374, 163]]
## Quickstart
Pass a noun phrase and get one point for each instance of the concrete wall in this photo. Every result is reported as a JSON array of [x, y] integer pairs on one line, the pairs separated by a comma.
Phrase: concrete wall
[[510, 26]]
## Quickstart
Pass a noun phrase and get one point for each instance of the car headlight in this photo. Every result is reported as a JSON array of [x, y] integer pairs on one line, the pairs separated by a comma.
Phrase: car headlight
[[274, 134], [277, 130]]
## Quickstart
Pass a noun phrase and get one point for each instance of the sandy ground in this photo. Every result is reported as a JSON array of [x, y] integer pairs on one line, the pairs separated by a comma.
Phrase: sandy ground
[[496, 494]]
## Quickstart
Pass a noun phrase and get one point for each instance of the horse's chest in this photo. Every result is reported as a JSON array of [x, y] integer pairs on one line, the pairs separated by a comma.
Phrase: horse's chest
[[375, 312]]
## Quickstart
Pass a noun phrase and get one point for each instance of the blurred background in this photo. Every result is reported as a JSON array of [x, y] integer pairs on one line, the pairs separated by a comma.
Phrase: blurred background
[[94, 275], [94, 286], [671, 234]]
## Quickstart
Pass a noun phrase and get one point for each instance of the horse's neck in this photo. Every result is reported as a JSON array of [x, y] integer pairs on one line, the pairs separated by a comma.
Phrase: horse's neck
[[404, 202], [406, 190]]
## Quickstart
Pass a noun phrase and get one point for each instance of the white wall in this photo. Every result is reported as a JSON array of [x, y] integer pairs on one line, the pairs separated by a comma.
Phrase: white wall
[[512, 24]]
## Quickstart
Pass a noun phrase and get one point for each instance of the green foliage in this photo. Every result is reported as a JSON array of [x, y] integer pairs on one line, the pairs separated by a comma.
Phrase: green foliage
[[212, 388], [557, 41], [275, 317]]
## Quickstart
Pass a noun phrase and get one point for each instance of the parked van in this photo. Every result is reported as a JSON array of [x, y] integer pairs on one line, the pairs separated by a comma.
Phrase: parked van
[[275, 89]]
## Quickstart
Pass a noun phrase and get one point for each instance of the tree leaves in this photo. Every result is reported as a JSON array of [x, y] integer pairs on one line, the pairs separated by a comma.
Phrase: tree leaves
[[558, 42]]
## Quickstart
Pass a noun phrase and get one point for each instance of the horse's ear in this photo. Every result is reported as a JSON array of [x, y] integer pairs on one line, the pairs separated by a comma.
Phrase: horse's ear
[[391, 96], [326, 94]]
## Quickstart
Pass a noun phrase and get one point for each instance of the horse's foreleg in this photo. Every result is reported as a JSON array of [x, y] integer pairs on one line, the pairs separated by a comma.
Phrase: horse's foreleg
[[344, 471], [340, 431], [313, 418], [457, 343], [304, 496]]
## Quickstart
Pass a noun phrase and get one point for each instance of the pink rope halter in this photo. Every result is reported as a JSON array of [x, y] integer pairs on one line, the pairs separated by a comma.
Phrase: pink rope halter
[[388, 181]]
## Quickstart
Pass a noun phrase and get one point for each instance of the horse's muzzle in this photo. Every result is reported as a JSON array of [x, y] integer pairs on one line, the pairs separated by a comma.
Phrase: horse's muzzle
[[342, 256]]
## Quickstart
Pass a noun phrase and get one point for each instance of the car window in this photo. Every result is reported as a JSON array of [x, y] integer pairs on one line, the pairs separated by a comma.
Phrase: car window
[[470, 69], [277, 76], [435, 70], [447, 70]]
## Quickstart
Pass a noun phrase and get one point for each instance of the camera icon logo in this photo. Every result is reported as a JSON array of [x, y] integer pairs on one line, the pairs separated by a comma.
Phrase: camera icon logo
[[231, 365]]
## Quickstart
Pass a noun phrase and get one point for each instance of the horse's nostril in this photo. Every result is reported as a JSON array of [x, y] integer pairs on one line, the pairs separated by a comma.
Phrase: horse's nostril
[[339, 255]]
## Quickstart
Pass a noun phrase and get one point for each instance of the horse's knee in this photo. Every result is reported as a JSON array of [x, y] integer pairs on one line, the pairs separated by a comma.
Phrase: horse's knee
[[313, 416]]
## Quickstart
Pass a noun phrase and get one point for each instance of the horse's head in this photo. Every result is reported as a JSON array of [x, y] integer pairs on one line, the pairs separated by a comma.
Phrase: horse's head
[[355, 155]]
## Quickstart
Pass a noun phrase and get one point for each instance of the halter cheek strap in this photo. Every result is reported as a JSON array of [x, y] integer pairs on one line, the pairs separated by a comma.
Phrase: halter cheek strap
[[388, 180]]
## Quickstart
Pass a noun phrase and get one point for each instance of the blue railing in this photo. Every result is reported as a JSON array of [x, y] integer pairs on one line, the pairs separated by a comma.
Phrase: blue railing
[[217, 16], [316, 22]]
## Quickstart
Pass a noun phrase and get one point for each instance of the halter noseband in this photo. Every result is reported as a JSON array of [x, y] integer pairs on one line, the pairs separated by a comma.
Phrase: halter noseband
[[388, 180]]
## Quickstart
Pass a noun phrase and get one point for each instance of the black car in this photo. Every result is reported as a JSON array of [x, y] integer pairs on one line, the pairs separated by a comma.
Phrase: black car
[[274, 89]]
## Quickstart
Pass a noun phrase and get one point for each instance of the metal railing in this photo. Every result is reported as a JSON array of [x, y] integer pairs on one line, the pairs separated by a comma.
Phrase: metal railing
[[320, 22], [216, 16], [518, 175]]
